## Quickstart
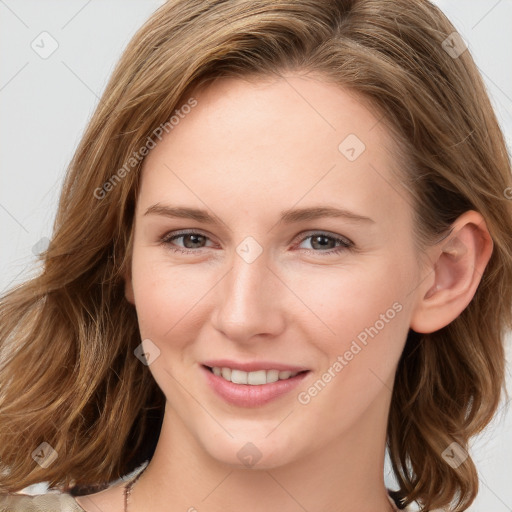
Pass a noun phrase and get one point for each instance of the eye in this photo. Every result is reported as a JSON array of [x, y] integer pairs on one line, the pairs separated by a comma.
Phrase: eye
[[323, 240], [191, 240]]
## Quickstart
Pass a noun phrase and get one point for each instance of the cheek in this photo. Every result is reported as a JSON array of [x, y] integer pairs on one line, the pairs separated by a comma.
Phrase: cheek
[[349, 300], [163, 294], [367, 311], [172, 300]]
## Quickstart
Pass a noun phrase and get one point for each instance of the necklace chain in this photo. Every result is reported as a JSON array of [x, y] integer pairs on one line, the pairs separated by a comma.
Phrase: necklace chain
[[128, 488]]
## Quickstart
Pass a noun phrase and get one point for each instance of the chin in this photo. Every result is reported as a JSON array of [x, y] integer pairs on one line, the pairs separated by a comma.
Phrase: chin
[[242, 453]]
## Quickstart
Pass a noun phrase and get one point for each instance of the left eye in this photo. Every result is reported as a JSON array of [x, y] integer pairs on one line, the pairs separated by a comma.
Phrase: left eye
[[318, 240]]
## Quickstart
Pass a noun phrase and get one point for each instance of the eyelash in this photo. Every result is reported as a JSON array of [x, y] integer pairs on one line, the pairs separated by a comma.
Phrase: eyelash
[[345, 243]]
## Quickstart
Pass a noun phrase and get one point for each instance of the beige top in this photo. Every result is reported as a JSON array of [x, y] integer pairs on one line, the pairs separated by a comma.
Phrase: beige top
[[50, 502]]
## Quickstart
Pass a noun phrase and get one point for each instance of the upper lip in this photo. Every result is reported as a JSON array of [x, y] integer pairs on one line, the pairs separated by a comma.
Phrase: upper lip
[[253, 366]]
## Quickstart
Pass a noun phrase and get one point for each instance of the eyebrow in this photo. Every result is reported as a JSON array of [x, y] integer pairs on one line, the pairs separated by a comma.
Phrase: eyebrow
[[289, 216]]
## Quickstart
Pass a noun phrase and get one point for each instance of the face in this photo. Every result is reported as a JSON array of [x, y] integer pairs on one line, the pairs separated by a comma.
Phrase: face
[[303, 258]]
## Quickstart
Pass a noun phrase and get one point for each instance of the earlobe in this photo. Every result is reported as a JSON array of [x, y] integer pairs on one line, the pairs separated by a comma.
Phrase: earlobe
[[458, 265]]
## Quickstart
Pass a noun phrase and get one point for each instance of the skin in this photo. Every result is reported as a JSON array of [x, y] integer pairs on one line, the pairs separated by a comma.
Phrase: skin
[[246, 152]]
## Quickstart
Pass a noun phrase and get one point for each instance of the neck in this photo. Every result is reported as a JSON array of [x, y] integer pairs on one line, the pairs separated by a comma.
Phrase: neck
[[344, 475]]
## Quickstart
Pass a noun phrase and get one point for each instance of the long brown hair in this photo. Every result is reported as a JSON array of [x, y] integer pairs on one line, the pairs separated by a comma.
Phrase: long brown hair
[[69, 376]]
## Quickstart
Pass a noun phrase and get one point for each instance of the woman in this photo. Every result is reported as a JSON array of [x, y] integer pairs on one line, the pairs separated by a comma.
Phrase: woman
[[192, 313]]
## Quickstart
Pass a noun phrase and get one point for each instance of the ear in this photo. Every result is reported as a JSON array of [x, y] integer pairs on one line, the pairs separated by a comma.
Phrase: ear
[[457, 266]]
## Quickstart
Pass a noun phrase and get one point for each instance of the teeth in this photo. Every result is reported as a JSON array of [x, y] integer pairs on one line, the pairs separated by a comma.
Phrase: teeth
[[252, 378], [237, 376], [226, 373]]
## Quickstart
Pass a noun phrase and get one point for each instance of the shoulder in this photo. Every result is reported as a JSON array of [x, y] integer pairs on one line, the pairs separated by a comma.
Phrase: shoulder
[[49, 502]]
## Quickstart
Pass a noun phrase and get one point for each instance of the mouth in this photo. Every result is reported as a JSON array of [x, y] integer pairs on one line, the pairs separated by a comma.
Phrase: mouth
[[251, 388], [254, 378]]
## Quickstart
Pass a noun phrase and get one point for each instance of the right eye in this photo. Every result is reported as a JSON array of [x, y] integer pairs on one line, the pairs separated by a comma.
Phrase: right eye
[[189, 238]]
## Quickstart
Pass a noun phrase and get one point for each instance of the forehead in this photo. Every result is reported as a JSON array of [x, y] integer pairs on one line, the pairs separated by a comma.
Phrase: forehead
[[276, 141]]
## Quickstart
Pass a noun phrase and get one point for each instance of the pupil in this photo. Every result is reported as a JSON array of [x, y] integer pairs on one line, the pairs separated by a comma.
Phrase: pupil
[[193, 237], [320, 237]]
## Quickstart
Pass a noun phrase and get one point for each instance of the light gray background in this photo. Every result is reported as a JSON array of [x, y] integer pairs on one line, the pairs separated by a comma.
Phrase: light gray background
[[45, 104]]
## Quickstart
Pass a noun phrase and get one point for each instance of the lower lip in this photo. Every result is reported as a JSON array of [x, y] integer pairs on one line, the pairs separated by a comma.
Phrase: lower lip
[[246, 395]]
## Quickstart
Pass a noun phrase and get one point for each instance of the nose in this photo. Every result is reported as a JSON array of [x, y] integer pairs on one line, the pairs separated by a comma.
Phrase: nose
[[250, 301]]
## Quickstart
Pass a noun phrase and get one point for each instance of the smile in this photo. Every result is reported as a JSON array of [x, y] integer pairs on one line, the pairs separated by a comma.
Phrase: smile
[[256, 378], [251, 389]]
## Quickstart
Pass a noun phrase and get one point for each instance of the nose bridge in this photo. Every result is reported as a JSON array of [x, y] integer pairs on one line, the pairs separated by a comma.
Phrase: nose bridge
[[246, 284], [249, 296]]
